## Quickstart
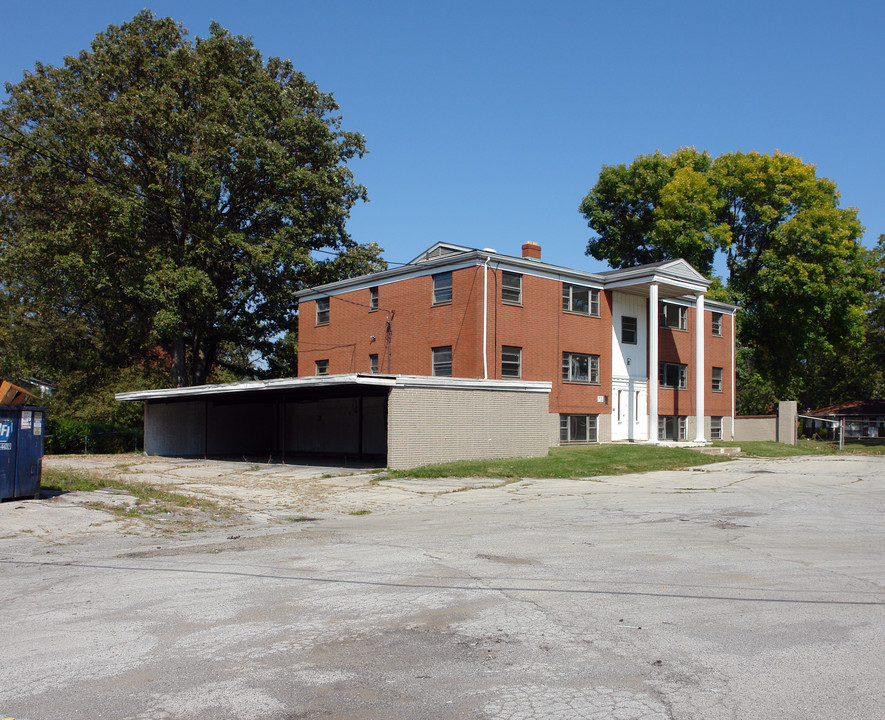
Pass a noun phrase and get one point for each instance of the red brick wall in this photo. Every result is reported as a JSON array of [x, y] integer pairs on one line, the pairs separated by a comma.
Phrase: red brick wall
[[416, 326], [544, 332], [539, 326], [717, 353], [678, 346]]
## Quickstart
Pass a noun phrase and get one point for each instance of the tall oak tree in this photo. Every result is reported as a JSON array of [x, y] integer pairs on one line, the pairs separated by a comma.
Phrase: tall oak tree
[[161, 192]]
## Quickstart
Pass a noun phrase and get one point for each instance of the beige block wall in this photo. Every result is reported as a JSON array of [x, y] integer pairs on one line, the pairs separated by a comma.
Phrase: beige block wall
[[430, 425], [755, 427]]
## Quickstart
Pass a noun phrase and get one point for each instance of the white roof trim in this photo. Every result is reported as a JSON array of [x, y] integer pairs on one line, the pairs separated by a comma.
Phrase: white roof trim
[[675, 273], [201, 391]]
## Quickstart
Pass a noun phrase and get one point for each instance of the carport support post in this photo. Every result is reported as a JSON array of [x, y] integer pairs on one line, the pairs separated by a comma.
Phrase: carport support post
[[205, 430], [360, 441], [283, 436]]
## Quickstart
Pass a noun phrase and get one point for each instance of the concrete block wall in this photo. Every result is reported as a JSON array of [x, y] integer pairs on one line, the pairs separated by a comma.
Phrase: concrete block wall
[[428, 425], [755, 427], [174, 429]]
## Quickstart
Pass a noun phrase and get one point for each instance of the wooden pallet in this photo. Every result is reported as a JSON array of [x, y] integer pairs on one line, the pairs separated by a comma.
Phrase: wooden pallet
[[13, 395]]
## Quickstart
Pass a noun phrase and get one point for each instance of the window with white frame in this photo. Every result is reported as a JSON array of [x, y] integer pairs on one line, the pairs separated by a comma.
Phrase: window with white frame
[[373, 363], [715, 428], [442, 361], [716, 377], [577, 428], [321, 367], [628, 330], [674, 316], [323, 311], [581, 300], [373, 298], [671, 427], [673, 375], [580, 368], [511, 288], [511, 361], [442, 288], [717, 323]]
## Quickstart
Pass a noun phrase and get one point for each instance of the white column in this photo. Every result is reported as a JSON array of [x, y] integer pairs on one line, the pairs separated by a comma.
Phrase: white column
[[653, 363], [699, 374]]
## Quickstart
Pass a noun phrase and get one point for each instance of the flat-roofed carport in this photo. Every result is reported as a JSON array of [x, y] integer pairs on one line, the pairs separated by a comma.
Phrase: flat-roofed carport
[[400, 421]]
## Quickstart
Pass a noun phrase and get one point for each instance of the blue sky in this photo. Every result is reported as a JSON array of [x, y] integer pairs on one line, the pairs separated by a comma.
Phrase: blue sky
[[487, 122]]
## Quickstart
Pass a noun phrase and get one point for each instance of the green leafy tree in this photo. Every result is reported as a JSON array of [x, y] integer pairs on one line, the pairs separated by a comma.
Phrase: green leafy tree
[[795, 265], [162, 192]]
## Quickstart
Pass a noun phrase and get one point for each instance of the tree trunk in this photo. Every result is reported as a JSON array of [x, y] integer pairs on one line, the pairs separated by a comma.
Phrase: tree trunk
[[179, 363], [204, 359]]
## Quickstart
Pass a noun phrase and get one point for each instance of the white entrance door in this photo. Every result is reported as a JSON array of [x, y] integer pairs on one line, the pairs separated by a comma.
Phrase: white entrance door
[[629, 409]]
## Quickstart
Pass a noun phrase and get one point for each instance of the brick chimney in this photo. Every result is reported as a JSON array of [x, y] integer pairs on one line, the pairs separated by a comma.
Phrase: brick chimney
[[531, 251]]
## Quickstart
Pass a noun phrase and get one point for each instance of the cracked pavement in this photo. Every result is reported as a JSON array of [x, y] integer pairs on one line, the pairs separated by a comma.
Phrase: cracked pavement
[[747, 589]]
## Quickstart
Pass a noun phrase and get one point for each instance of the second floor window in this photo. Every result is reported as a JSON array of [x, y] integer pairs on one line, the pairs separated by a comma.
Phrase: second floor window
[[321, 367], [581, 300], [442, 288], [580, 368], [628, 330], [323, 311], [717, 324], [717, 379], [511, 288], [373, 363], [674, 316], [373, 298]]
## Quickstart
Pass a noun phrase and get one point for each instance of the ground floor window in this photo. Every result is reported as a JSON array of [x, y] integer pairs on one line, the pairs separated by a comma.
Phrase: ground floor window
[[577, 428], [715, 428], [673, 375], [442, 361], [511, 362], [580, 368], [671, 427]]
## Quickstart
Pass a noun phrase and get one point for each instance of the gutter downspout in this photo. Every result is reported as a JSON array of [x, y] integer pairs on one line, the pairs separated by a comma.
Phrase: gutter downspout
[[733, 371], [485, 319]]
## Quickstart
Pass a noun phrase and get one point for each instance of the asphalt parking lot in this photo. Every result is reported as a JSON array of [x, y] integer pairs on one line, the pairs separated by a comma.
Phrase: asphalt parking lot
[[748, 589]]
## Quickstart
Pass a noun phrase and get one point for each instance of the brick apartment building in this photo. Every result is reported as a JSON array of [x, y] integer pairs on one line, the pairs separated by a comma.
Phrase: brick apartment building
[[466, 313]]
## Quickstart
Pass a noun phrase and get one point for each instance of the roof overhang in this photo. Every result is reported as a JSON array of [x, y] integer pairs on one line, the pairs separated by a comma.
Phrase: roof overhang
[[336, 383], [674, 278]]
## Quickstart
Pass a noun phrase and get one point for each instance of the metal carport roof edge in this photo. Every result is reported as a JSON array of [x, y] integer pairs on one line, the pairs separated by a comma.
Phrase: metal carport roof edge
[[251, 386]]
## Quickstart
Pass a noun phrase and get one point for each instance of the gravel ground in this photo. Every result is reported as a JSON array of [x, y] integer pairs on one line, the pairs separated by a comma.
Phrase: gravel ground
[[748, 589]]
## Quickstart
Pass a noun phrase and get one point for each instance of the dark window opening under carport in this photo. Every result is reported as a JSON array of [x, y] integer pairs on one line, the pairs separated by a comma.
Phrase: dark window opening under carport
[[347, 422]]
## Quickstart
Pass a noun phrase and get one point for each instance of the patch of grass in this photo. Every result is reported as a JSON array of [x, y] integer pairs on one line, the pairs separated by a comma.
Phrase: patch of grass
[[301, 518], [361, 512], [805, 446], [149, 499], [571, 462]]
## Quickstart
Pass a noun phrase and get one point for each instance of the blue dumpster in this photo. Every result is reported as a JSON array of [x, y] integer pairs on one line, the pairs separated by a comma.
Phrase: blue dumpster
[[21, 451]]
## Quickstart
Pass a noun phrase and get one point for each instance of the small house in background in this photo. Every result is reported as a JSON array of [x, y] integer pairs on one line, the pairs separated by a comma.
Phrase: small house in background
[[863, 419]]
